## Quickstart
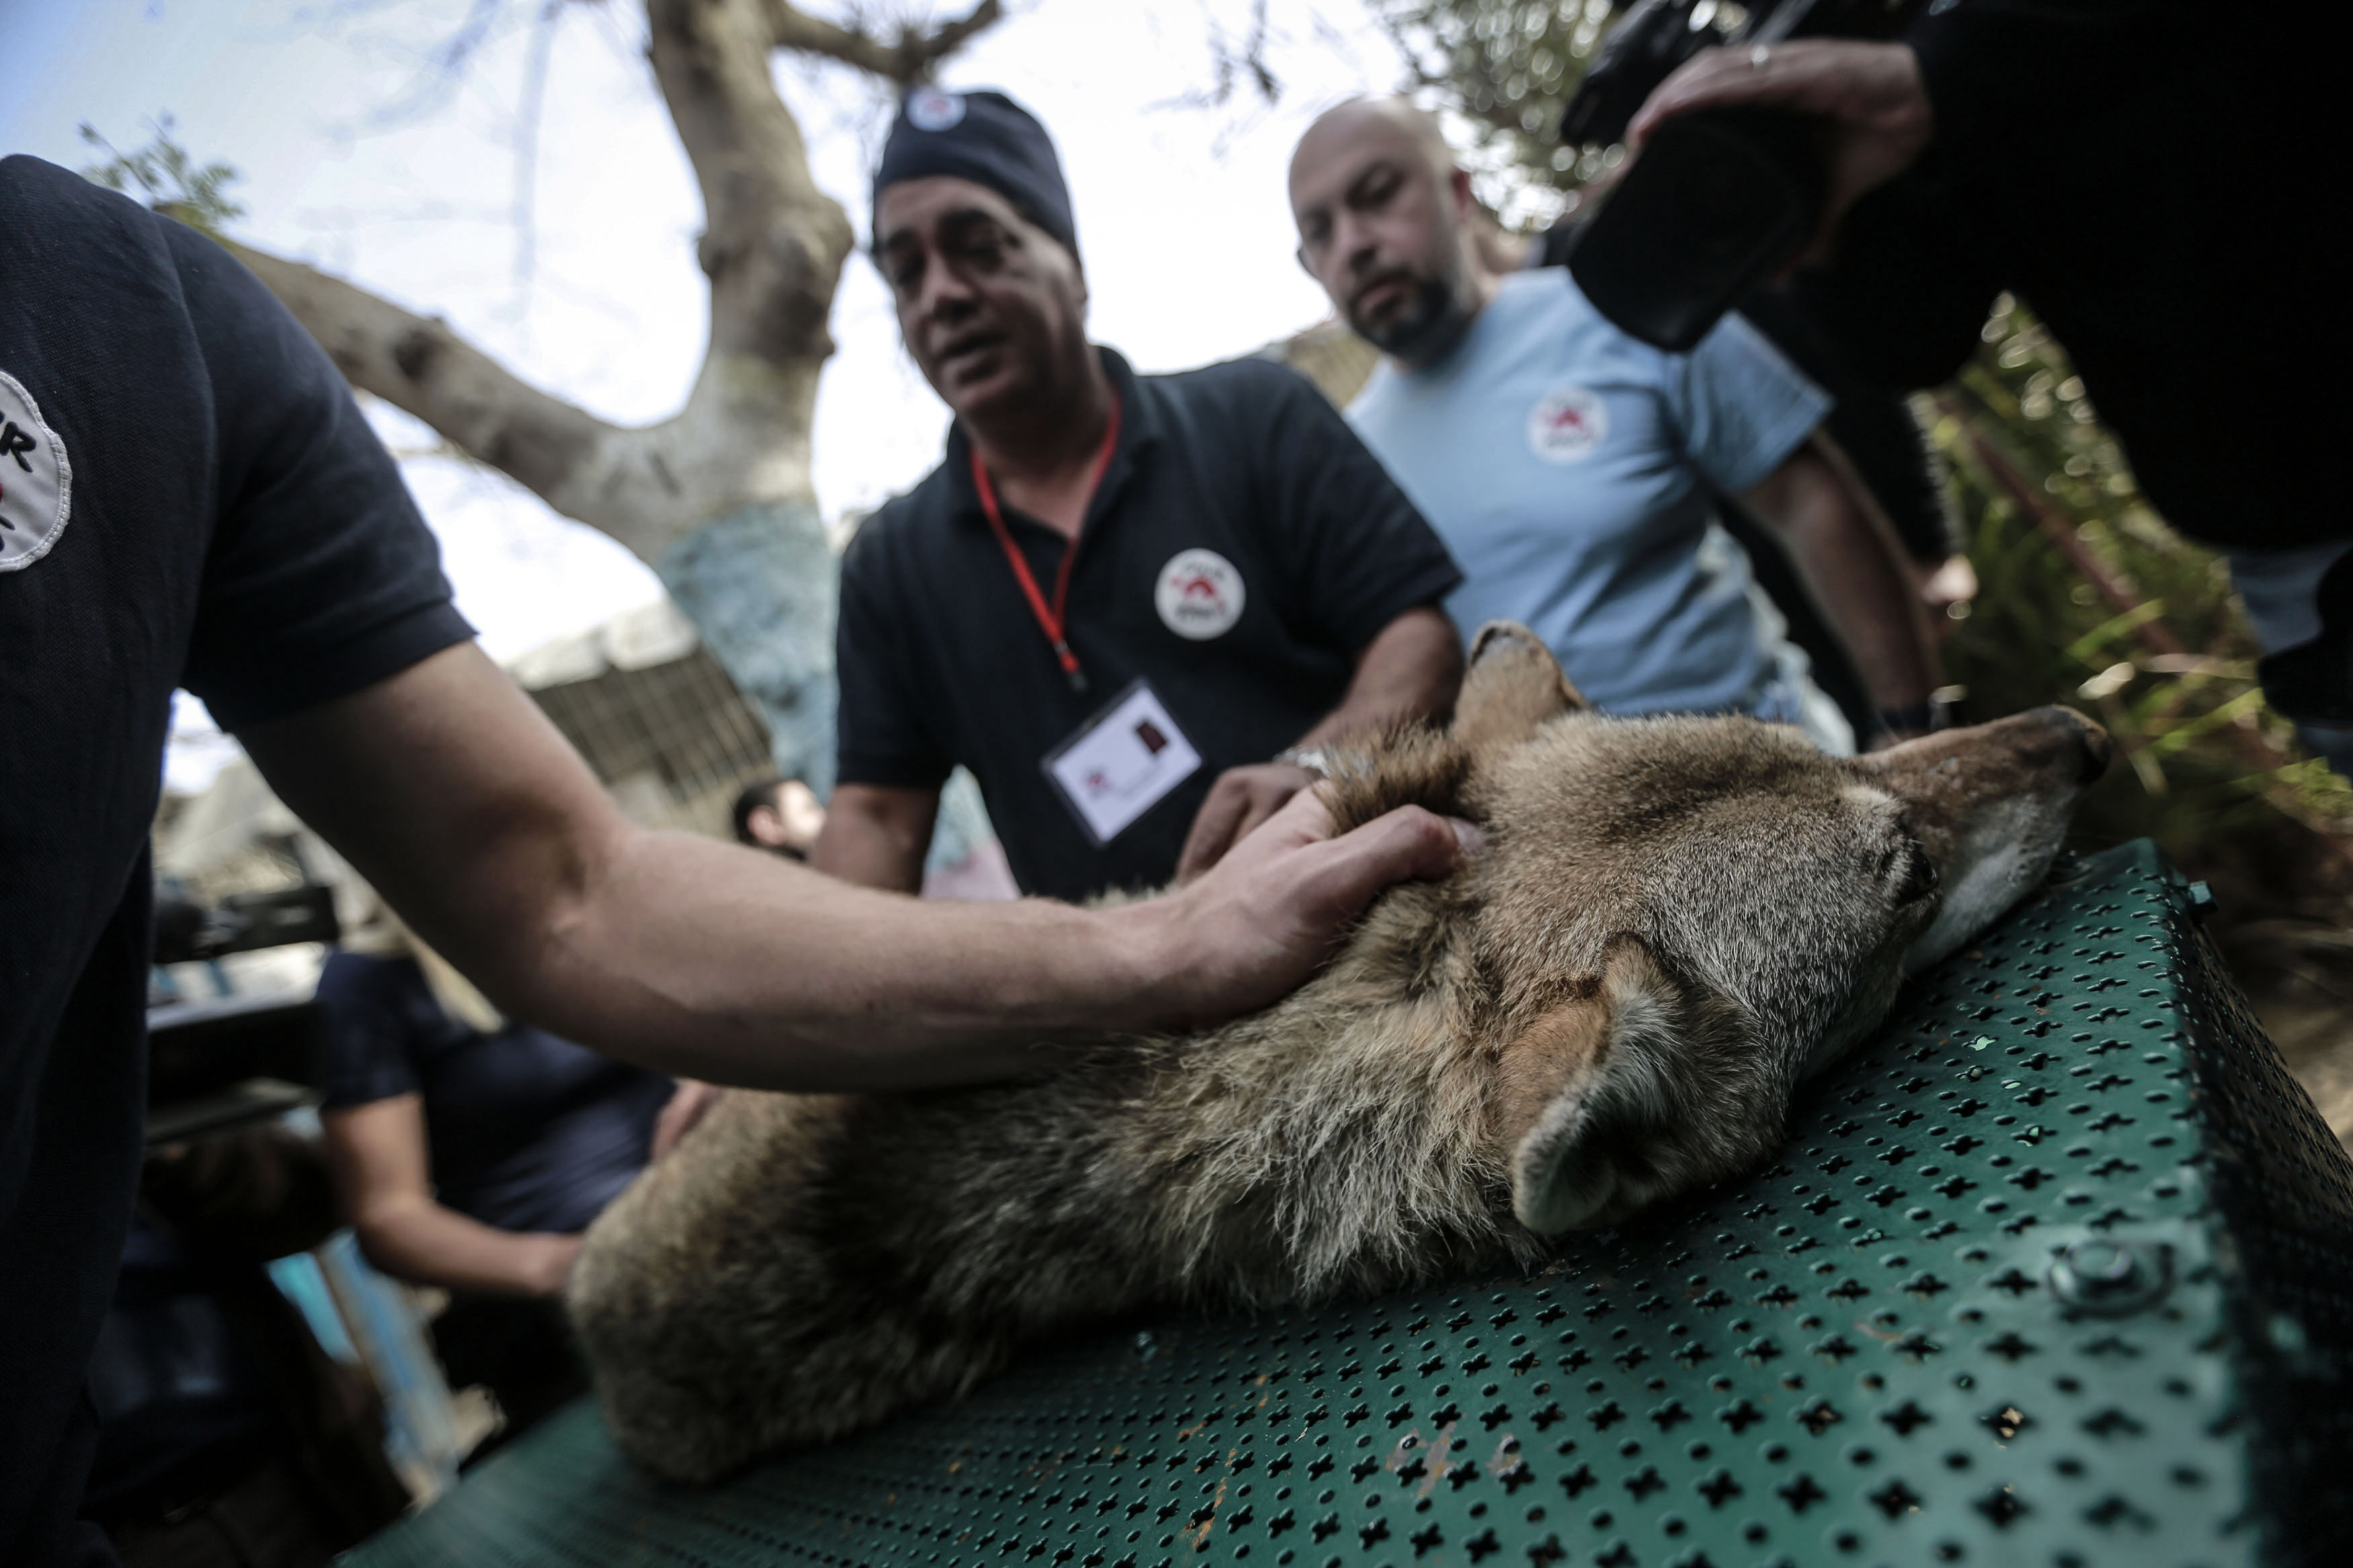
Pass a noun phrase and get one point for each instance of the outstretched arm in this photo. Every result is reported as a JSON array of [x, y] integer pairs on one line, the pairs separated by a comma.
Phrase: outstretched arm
[[449, 791], [1409, 670]]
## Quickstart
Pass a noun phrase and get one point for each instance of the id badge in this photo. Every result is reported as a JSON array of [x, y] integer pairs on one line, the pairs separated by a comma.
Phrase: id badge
[[1121, 763]]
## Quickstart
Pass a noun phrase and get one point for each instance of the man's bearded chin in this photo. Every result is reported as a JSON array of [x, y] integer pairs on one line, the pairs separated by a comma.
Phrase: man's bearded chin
[[1424, 327]]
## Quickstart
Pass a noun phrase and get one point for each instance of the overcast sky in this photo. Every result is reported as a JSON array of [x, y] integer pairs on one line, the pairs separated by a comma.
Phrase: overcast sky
[[358, 156]]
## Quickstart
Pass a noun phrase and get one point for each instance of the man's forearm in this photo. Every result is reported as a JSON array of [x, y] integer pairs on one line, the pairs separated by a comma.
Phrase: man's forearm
[[1850, 560], [430, 1245], [752, 972], [450, 792], [1410, 669]]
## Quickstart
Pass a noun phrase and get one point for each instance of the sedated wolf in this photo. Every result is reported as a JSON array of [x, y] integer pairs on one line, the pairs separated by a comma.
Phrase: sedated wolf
[[1674, 921]]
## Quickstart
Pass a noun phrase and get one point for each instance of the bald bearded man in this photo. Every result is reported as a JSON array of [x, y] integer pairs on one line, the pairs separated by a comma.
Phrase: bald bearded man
[[1576, 473]]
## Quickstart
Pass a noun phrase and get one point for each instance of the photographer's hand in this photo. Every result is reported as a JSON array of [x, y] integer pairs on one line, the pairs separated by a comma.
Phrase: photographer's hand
[[1871, 95]]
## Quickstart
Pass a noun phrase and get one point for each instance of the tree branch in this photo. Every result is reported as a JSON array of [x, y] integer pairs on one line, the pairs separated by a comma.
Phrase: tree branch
[[906, 61], [419, 365], [773, 244], [645, 486]]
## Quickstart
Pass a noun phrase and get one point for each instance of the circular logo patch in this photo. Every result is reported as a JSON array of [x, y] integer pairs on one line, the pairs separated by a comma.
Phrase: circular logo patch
[[35, 482], [1200, 594], [1566, 426], [929, 108]]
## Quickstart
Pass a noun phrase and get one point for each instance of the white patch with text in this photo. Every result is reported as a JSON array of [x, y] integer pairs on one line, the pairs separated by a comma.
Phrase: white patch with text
[[1200, 594], [35, 481], [1567, 424]]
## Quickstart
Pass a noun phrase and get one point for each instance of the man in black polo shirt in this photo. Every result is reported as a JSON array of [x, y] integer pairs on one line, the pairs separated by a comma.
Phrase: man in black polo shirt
[[189, 495], [1119, 596]]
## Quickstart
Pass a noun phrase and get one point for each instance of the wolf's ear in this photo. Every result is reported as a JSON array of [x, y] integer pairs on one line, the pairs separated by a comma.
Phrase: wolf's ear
[[1584, 1100], [1514, 684]]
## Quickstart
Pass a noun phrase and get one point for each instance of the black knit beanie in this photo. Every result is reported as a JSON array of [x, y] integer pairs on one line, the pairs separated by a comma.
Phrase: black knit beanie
[[984, 137]]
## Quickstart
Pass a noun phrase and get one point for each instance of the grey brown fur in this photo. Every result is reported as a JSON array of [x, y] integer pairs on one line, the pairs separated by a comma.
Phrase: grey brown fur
[[1675, 920]]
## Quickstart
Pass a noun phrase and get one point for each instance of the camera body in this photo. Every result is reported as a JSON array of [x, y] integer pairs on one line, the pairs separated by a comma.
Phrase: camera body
[[1720, 199]]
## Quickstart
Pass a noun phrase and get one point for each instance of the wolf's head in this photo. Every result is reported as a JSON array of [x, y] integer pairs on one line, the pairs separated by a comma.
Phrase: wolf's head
[[1677, 919]]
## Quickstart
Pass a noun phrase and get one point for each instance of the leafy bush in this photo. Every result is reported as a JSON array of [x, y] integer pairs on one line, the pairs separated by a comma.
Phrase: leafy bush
[[165, 178]]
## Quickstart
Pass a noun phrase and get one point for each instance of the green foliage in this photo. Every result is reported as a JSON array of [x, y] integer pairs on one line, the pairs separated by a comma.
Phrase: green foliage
[[168, 179], [2159, 652], [1508, 68]]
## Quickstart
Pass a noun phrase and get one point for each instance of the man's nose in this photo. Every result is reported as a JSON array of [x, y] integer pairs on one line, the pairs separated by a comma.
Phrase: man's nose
[[944, 294]]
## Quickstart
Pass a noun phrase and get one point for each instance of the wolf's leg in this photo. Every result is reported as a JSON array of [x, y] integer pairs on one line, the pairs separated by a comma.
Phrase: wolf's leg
[[692, 1288]]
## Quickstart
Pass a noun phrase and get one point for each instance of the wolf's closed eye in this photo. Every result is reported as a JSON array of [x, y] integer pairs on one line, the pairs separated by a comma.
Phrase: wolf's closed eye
[[1918, 872]]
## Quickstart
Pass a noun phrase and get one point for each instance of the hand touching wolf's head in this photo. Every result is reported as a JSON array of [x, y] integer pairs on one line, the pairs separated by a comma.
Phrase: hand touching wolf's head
[[1679, 919]]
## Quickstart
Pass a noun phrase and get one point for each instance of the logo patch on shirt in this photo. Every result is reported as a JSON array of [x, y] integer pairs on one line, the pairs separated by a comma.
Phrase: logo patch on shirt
[[1200, 594], [929, 108], [1567, 424], [36, 481]]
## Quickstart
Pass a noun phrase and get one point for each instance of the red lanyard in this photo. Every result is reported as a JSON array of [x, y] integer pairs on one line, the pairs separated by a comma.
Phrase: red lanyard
[[1051, 619]]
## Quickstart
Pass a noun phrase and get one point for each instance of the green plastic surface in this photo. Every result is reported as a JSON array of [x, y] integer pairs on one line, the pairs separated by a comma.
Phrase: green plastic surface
[[1860, 1355]]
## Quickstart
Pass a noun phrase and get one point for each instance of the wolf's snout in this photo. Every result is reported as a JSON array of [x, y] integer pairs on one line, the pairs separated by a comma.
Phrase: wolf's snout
[[1991, 803], [2089, 743]]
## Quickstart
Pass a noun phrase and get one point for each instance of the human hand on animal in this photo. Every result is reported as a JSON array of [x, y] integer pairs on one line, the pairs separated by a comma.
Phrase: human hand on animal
[[1267, 914], [1241, 799], [545, 1260], [1876, 117]]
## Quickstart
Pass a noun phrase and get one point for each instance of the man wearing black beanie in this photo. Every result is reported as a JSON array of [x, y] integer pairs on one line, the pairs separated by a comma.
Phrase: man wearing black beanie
[[1137, 608]]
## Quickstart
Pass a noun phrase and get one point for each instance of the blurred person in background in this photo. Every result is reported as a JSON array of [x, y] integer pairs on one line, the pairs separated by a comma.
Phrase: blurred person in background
[[1575, 472], [781, 815], [2137, 172], [227, 1437], [1135, 606], [471, 1152]]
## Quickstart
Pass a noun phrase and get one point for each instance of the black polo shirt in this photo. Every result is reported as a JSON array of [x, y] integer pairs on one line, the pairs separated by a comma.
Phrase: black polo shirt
[[199, 503], [943, 661]]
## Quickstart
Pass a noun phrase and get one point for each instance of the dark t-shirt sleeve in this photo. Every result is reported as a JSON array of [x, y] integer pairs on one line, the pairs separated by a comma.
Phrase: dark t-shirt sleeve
[[322, 578], [1360, 554], [881, 735], [368, 1028], [2000, 73]]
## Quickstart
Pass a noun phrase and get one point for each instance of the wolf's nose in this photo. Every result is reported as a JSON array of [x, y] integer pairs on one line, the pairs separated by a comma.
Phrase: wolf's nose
[[2093, 746]]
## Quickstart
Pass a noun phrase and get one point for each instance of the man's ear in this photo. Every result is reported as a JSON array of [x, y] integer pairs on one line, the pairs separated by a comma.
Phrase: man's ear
[[1584, 1100], [1512, 684], [1465, 199]]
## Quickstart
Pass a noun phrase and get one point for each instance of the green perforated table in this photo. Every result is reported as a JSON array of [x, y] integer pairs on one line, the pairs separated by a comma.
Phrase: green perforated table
[[2058, 1271]]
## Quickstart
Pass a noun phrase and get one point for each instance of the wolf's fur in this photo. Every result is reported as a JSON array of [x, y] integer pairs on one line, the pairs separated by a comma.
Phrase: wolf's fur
[[1674, 920]]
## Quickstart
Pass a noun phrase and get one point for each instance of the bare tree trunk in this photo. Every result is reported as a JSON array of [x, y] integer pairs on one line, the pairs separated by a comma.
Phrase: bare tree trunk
[[717, 498]]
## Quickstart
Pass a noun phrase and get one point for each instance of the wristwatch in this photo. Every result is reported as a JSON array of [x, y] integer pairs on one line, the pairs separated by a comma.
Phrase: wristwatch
[[1312, 758]]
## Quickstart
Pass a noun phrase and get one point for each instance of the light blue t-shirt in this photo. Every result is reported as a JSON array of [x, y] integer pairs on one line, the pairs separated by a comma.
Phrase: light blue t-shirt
[[1572, 471]]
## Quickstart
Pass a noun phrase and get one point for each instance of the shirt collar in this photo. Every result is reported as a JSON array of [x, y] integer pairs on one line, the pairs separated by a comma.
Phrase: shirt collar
[[1139, 427]]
